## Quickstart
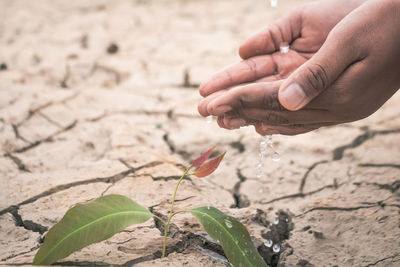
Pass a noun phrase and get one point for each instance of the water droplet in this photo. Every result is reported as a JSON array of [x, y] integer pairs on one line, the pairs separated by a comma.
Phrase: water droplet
[[276, 221], [287, 220], [228, 223], [209, 119], [260, 190], [276, 157], [276, 248], [273, 3], [268, 139], [284, 47], [208, 207], [268, 243]]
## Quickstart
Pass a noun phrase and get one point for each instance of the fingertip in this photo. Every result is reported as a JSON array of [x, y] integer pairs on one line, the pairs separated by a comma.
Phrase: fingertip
[[203, 89], [292, 97], [202, 109], [243, 51]]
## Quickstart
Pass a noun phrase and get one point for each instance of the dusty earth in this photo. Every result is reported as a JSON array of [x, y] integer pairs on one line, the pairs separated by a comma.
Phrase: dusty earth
[[99, 97]]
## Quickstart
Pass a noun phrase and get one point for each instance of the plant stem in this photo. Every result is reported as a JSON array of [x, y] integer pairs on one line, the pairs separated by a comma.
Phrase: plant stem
[[181, 211], [171, 214], [160, 219]]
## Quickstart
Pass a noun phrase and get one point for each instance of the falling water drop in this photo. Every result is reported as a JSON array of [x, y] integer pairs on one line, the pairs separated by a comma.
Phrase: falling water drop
[[262, 150], [260, 190], [228, 223], [275, 157], [208, 207], [273, 3], [268, 243], [276, 221], [276, 248], [209, 119], [284, 47]]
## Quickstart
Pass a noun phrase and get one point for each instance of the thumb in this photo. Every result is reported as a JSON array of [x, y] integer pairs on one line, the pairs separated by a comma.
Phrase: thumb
[[317, 74]]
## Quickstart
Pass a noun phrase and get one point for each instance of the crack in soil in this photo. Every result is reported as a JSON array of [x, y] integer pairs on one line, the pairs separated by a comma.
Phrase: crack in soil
[[187, 239], [373, 165], [21, 166], [27, 224], [359, 140], [335, 185], [46, 105], [393, 187], [16, 133], [304, 179], [47, 139], [369, 205], [383, 259], [50, 120], [21, 253], [170, 114], [278, 233], [241, 200], [185, 155], [110, 179]]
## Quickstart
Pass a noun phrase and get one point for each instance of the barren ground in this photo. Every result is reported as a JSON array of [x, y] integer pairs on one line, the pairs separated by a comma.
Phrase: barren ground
[[78, 122]]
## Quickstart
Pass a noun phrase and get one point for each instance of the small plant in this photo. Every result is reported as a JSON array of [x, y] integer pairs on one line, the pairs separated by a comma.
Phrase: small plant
[[100, 219]]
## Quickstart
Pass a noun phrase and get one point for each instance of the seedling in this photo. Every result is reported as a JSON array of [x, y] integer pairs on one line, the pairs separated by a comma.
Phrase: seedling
[[100, 219]]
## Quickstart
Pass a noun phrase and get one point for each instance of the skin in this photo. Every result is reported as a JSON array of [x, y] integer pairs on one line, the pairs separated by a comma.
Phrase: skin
[[343, 63]]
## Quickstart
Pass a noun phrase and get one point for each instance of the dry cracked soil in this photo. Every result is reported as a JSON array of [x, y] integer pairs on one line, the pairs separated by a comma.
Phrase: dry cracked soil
[[100, 97]]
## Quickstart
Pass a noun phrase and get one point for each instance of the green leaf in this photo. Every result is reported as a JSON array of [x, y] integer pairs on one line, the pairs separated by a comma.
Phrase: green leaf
[[231, 235], [89, 223]]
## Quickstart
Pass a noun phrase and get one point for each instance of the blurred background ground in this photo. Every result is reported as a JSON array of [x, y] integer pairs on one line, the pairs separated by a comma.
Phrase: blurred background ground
[[91, 90]]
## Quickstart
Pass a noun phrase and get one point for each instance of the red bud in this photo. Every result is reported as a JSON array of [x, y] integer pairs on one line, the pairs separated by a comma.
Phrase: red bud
[[200, 160], [209, 167]]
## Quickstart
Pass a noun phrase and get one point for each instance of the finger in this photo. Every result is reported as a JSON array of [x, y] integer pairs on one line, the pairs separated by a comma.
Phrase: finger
[[265, 129], [226, 124], [262, 95], [285, 117], [220, 122], [284, 130], [245, 71], [317, 74], [268, 40], [202, 107]]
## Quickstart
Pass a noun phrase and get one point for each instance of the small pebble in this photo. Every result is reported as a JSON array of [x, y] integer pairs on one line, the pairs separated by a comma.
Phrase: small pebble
[[3, 66], [112, 49]]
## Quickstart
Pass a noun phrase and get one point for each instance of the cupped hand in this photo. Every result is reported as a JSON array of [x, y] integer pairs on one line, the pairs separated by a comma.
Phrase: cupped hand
[[305, 29], [354, 73]]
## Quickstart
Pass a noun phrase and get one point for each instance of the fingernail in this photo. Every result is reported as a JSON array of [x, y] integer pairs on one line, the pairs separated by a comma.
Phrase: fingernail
[[293, 96], [222, 109], [236, 123]]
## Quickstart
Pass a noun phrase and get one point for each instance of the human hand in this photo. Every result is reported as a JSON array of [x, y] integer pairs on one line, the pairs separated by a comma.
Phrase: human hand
[[305, 29], [353, 74]]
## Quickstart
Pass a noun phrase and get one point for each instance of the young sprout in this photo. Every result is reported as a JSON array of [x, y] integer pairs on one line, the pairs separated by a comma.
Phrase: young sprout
[[203, 169]]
